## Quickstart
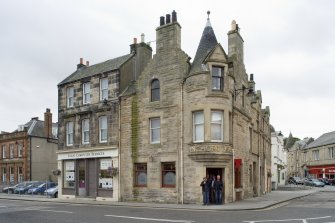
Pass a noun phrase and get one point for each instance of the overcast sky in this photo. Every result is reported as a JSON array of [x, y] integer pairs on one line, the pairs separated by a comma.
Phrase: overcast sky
[[289, 47]]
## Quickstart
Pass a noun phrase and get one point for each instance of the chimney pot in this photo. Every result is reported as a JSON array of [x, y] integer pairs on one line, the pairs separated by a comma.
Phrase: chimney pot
[[87, 63], [168, 18], [162, 21], [81, 61], [251, 77], [142, 38], [174, 16], [135, 40]]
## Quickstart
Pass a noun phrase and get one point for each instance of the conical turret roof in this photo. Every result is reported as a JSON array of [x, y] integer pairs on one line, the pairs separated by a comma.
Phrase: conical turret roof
[[207, 43]]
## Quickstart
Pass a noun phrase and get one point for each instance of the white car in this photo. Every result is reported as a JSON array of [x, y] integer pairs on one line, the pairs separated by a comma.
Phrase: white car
[[51, 192]]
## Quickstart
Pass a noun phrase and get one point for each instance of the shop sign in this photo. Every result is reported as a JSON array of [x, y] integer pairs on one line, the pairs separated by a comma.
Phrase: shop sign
[[88, 154]]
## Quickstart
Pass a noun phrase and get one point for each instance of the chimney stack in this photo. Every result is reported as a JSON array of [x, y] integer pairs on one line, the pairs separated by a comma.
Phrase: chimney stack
[[48, 123], [174, 16], [162, 21], [142, 38], [87, 63], [81, 63]]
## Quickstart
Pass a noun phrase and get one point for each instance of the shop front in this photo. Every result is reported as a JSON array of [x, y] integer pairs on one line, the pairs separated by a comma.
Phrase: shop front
[[89, 174], [322, 171]]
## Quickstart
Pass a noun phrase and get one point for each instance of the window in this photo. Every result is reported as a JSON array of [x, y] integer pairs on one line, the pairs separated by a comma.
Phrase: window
[[3, 152], [198, 126], [85, 128], [4, 175], [217, 78], [20, 173], [11, 174], [69, 133], [168, 175], [331, 152], [140, 174], [11, 151], [103, 89], [155, 129], [86, 93], [304, 157], [155, 90], [70, 96], [217, 126], [20, 150], [105, 175], [315, 154], [69, 179], [103, 129]]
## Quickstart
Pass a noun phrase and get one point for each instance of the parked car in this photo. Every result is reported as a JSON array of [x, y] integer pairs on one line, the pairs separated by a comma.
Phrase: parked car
[[331, 181], [295, 180], [23, 189], [314, 183], [324, 180], [52, 192], [10, 189], [41, 188]]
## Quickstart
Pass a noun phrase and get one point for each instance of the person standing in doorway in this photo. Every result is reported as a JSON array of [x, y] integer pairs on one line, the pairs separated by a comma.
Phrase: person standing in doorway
[[218, 186], [205, 184]]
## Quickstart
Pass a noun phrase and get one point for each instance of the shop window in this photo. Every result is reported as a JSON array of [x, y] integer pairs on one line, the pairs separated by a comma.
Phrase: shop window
[[69, 174], [106, 174], [140, 174], [168, 175]]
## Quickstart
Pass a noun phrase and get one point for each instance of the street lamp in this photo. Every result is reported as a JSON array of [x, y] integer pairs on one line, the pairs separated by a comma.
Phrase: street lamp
[[237, 91]]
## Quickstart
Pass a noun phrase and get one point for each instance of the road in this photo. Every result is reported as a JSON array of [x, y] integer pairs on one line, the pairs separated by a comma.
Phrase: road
[[315, 208]]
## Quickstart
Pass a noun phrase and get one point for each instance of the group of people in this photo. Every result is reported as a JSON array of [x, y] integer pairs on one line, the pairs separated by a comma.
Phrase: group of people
[[212, 189]]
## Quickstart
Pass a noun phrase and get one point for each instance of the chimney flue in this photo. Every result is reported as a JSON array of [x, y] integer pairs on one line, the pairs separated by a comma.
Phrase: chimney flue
[[135, 40], [81, 61], [87, 63], [48, 123], [251, 77], [168, 18], [142, 38], [162, 21], [174, 16]]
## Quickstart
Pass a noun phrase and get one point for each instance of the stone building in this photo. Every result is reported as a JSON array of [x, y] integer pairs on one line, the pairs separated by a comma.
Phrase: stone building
[[88, 151], [278, 159], [181, 121], [29, 153], [318, 157]]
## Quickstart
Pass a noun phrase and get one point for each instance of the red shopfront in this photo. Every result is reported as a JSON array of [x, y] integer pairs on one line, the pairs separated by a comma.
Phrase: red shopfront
[[322, 171]]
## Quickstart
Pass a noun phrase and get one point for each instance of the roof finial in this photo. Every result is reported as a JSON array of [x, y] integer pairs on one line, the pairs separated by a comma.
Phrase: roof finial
[[208, 22]]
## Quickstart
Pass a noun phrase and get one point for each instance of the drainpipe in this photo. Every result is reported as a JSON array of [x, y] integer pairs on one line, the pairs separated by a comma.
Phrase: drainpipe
[[119, 153], [233, 176], [181, 142], [30, 155]]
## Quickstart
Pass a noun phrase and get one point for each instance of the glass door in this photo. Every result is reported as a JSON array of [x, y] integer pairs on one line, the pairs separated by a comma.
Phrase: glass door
[[81, 178]]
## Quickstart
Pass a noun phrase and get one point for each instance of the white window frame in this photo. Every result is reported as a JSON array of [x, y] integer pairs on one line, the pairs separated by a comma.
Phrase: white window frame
[[198, 124], [20, 150], [11, 151], [70, 97], [103, 126], [217, 123], [85, 128], [4, 152], [316, 155], [103, 88], [155, 129], [331, 152], [69, 133], [86, 93], [218, 78]]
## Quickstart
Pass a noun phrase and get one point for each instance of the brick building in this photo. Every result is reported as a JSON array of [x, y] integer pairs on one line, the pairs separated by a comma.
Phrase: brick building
[[29, 153], [181, 121]]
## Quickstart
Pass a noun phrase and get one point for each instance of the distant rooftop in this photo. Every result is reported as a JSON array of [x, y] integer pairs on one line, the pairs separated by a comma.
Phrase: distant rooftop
[[325, 139]]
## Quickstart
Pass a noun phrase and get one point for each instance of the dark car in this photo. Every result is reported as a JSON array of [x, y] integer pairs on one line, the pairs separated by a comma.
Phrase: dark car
[[23, 189], [324, 180], [295, 180], [314, 183], [41, 188], [10, 189]]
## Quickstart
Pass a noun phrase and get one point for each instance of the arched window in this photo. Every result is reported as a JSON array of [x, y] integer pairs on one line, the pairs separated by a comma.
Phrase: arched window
[[155, 90]]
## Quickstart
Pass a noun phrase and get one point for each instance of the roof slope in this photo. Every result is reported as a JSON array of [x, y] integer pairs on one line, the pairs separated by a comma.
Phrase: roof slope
[[108, 65], [325, 139], [207, 43]]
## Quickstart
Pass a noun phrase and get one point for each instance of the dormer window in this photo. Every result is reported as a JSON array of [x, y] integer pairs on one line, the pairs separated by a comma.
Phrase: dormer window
[[155, 90], [217, 78]]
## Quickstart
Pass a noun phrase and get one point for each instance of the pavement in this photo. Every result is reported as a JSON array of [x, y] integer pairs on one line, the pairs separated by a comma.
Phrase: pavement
[[269, 200]]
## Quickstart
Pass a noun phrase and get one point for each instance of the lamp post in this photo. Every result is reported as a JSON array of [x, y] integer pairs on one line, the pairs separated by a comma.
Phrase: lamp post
[[237, 91]]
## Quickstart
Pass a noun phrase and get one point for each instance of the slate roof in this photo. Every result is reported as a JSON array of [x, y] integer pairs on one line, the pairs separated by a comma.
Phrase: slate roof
[[207, 43], [36, 128], [98, 68], [325, 139]]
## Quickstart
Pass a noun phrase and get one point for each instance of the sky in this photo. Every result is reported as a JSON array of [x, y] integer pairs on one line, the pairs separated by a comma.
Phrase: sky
[[289, 46]]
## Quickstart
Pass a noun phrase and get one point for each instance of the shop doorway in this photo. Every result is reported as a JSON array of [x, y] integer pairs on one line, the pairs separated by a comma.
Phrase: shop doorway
[[212, 174], [81, 177]]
